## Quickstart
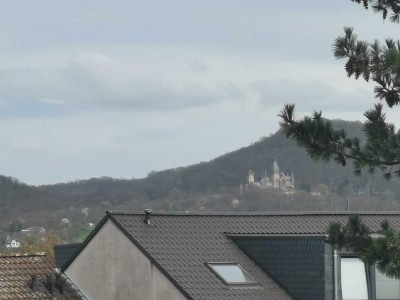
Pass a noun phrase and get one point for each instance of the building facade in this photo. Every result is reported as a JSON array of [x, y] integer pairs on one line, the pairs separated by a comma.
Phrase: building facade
[[278, 180]]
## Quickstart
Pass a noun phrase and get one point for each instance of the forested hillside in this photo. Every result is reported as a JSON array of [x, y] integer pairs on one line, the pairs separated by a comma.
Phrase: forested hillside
[[190, 187]]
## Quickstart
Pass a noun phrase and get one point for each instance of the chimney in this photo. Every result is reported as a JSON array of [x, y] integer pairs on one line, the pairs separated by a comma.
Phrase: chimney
[[50, 284], [147, 216], [59, 284], [33, 282]]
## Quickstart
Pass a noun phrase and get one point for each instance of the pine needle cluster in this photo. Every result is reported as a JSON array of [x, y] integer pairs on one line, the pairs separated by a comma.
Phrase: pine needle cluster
[[383, 250], [370, 61], [383, 6]]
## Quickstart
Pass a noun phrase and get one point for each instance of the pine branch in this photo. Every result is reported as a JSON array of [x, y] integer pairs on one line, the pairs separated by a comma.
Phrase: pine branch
[[391, 7], [355, 236], [322, 142], [370, 60]]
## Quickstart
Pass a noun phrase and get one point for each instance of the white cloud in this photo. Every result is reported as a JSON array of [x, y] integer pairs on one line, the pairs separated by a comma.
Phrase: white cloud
[[311, 95], [119, 90], [180, 78], [51, 101], [198, 66], [97, 78], [96, 18], [125, 143]]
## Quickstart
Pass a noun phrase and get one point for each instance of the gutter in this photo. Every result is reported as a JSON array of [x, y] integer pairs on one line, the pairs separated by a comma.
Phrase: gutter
[[335, 272]]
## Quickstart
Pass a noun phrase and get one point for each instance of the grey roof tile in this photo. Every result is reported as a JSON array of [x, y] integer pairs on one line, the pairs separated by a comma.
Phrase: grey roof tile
[[181, 244], [296, 263], [15, 277]]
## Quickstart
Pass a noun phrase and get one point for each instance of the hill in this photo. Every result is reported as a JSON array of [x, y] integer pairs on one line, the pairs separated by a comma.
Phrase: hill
[[190, 187]]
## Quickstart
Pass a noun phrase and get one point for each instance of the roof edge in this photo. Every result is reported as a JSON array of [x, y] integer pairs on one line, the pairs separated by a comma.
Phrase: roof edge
[[276, 235], [60, 246], [277, 213], [74, 287], [151, 258], [85, 242], [23, 254]]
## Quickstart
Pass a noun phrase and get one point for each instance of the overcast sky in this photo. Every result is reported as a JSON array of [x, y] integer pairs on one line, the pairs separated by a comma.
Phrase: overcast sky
[[120, 88]]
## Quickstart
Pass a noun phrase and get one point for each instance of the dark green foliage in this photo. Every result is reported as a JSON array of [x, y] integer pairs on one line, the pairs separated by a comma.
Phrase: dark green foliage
[[354, 235], [15, 226], [383, 250], [323, 142], [383, 6], [208, 186], [371, 61]]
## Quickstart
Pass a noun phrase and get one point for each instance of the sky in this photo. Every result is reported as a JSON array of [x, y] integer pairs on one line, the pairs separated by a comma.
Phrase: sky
[[122, 88]]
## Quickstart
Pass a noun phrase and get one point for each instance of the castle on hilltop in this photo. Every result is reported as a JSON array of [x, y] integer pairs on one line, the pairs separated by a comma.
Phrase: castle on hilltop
[[278, 180]]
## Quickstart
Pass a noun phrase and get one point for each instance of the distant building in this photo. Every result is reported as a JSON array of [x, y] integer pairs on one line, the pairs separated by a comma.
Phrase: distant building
[[235, 203], [278, 180], [250, 178], [12, 243], [65, 222], [34, 230]]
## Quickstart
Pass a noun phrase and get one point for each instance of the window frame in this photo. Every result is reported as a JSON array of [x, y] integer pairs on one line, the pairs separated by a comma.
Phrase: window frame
[[373, 276], [370, 275], [210, 266]]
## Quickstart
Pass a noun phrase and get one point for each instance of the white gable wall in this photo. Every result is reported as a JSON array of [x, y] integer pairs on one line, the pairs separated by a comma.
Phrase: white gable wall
[[112, 267]]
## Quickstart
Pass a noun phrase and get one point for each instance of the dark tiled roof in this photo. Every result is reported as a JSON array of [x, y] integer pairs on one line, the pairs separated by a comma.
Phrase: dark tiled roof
[[63, 252], [16, 272], [297, 263], [181, 244]]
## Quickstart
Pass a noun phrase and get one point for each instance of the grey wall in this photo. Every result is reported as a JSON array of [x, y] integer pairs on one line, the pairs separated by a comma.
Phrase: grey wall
[[329, 288], [112, 267]]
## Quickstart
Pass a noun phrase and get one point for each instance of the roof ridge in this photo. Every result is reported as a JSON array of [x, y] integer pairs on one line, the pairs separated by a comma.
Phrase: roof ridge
[[23, 254], [252, 214]]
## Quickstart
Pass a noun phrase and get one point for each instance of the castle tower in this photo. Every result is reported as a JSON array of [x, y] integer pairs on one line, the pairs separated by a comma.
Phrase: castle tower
[[292, 180], [250, 178], [275, 167], [276, 175]]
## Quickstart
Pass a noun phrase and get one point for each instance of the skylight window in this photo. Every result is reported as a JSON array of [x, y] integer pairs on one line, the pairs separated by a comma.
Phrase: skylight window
[[232, 273]]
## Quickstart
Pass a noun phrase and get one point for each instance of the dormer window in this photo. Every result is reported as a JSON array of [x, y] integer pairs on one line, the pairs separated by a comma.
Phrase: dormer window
[[232, 273]]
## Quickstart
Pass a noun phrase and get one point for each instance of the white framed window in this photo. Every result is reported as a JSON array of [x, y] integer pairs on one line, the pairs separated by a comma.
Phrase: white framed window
[[386, 288], [353, 279], [356, 286]]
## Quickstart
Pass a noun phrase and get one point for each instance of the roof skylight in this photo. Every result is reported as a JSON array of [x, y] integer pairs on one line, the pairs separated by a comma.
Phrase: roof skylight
[[232, 273]]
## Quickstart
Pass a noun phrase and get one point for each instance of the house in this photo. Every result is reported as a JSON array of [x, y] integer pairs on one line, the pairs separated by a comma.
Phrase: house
[[32, 276], [155, 256], [11, 242]]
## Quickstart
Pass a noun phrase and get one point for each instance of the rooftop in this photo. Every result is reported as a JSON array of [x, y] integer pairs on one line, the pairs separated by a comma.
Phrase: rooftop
[[181, 245], [27, 276]]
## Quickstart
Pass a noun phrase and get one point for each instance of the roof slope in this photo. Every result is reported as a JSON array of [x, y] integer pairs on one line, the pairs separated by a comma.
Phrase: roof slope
[[16, 271], [181, 244], [297, 263], [63, 252]]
